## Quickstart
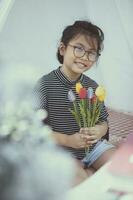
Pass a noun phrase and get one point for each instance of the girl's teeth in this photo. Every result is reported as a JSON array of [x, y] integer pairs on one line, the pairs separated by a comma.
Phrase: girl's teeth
[[80, 64]]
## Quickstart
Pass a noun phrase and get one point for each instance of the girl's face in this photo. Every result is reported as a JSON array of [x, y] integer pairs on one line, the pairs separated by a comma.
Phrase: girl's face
[[76, 60]]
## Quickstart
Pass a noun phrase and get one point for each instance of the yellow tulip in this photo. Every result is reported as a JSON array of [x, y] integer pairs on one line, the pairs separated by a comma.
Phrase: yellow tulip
[[100, 93], [78, 87], [101, 98]]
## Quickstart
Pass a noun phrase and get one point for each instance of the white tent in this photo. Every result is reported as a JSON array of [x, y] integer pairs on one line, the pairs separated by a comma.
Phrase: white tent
[[30, 31]]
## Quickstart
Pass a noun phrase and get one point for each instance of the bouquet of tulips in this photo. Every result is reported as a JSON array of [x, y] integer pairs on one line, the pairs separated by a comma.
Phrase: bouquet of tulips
[[89, 107], [87, 111]]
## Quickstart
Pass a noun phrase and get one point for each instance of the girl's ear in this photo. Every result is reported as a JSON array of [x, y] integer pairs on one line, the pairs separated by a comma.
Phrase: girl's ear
[[62, 49]]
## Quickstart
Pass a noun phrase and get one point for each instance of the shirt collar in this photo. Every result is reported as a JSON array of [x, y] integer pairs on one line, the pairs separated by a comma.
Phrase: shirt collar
[[65, 80]]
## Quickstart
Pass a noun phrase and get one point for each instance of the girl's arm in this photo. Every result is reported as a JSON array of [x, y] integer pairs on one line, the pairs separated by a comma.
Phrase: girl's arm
[[61, 139], [85, 136], [75, 140]]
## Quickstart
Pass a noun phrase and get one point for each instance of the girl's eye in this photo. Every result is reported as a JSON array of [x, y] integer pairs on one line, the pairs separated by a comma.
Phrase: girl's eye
[[79, 49], [93, 53]]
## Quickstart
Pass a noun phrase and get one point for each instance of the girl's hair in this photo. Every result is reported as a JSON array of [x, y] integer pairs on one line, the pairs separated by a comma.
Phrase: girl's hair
[[84, 28]]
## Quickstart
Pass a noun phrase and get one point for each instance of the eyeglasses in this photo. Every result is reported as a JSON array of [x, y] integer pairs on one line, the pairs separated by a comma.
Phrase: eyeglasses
[[79, 52]]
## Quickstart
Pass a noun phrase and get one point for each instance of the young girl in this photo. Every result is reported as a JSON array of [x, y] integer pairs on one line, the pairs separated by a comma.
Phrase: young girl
[[80, 47]]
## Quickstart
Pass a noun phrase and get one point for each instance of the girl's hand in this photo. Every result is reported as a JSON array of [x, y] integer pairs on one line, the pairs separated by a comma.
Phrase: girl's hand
[[93, 134], [77, 141]]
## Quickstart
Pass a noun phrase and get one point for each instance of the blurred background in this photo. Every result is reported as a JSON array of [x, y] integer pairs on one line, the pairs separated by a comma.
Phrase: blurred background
[[30, 32]]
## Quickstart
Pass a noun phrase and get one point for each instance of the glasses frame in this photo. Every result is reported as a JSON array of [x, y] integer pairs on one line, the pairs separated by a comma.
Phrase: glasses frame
[[88, 53]]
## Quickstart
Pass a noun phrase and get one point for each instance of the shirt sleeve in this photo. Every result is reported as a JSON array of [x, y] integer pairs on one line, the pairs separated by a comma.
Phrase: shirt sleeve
[[104, 114], [40, 95]]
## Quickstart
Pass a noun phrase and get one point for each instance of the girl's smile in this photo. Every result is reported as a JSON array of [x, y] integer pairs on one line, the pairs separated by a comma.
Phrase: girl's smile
[[76, 57]]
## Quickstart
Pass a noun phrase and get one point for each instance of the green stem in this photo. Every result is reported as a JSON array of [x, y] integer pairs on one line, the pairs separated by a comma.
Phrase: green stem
[[77, 114], [84, 116], [89, 113], [94, 113]]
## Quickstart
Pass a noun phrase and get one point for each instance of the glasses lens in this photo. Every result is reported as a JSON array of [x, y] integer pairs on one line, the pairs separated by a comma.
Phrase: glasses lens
[[79, 52], [93, 56]]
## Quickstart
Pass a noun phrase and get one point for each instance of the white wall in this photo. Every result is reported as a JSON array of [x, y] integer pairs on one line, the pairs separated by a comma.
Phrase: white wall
[[115, 69], [33, 28]]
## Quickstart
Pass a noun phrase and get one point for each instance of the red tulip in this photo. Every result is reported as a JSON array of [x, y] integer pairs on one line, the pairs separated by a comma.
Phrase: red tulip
[[93, 100], [83, 93]]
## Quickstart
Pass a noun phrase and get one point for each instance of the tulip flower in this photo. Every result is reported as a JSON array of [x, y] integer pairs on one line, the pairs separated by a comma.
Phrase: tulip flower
[[71, 96], [100, 93], [90, 93], [88, 108], [83, 93], [75, 112], [78, 87]]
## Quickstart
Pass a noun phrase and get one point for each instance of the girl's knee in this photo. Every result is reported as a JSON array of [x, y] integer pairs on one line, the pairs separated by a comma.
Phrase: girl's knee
[[104, 158]]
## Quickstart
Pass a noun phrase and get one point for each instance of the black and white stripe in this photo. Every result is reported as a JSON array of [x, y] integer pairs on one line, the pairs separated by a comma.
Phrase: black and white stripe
[[52, 90]]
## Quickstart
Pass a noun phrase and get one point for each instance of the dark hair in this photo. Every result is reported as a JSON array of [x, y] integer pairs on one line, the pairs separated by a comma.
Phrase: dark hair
[[84, 28]]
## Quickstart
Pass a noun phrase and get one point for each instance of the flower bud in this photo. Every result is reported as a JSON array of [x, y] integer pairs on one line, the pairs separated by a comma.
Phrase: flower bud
[[100, 93], [71, 96], [90, 93], [83, 93], [78, 87]]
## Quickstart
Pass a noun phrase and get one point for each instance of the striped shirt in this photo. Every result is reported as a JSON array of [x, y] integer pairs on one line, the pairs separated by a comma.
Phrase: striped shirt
[[52, 91]]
